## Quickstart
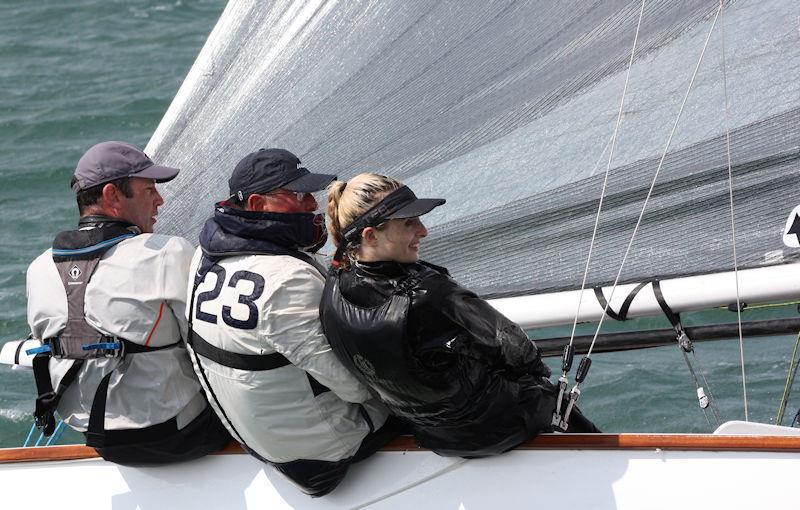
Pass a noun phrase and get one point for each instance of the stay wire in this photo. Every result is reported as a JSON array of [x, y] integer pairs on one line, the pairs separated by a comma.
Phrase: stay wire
[[787, 388], [733, 217], [712, 399], [652, 185], [608, 168], [696, 383]]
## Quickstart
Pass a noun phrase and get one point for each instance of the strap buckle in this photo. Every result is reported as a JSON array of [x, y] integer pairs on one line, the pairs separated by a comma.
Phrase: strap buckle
[[38, 350], [107, 349]]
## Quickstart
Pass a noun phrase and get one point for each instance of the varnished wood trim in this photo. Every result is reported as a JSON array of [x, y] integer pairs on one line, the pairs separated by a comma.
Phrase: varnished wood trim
[[699, 442]]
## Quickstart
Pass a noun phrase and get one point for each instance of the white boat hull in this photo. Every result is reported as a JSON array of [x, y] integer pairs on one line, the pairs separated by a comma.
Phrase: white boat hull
[[620, 472]]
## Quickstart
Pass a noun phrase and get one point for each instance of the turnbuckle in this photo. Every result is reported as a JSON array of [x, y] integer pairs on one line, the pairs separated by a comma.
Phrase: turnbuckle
[[562, 388], [684, 341], [566, 365], [575, 393]]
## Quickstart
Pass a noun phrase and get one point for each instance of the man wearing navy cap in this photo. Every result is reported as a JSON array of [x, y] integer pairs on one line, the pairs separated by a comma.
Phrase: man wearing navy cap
[[107, 302], [255, 335]]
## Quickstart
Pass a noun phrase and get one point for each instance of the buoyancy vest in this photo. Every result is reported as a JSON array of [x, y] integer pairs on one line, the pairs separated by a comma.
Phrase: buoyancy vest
[[380, 365], [76, 254]]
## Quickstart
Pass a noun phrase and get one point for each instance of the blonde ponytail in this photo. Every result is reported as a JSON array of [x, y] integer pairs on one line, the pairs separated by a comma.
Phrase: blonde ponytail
[[349, 200]]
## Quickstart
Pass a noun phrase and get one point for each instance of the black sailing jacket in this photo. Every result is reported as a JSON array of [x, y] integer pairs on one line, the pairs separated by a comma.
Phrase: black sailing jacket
[[468, 379]]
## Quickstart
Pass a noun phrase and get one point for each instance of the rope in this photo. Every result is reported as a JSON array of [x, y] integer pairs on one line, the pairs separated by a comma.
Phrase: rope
[[733, 217], [787, 388], [769, 305], [605, 179], [557, 420], [30, 436], [652, 185], [56, 437]]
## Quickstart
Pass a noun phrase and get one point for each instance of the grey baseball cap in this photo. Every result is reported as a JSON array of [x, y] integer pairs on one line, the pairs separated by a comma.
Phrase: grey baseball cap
[[107, 161]]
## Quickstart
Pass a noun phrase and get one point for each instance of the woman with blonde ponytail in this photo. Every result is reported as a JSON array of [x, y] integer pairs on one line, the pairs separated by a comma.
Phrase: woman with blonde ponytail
[[467, 379]]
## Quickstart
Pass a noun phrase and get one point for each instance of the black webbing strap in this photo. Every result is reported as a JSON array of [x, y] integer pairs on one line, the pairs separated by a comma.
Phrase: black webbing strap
[[673, 317], [252, 362], [686, 346], [96, 436], [47, 399], [317, 388], [622, 315], [18, 351], [367, 418]]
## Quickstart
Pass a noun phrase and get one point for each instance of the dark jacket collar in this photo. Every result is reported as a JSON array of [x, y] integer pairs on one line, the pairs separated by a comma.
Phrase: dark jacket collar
[[235, 231], [99, 220], [385, 269], [392, 269]]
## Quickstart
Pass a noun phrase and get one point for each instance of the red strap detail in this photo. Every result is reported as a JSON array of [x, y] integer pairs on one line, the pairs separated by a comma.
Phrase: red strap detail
[[158, 319]]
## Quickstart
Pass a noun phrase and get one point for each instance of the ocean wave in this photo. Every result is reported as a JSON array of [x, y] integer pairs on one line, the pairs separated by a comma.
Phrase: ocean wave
[[15, 415]]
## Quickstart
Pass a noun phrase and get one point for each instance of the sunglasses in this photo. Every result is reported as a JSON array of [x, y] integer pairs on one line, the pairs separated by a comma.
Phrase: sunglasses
[[299, 195]]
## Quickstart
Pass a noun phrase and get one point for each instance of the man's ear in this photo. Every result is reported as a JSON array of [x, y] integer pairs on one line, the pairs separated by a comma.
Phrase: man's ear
[[111, 198], [255, 202]]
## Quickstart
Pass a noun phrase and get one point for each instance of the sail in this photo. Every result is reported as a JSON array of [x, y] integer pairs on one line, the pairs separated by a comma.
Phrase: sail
[[509, 110]]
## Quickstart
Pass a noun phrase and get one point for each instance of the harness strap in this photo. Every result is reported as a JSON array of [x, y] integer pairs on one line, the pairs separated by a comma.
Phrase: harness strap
[[251, 362], [97, 436], [47, 400]]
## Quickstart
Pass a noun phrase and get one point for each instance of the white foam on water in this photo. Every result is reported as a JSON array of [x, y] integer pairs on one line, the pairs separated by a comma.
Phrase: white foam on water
[[15, 415]]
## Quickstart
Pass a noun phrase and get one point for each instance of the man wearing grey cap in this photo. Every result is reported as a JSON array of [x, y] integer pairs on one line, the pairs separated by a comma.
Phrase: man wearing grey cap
[[255, 335], [107, 301]]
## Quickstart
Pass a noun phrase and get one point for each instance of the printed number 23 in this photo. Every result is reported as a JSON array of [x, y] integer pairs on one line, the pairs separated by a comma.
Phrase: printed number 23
[[244, 299]]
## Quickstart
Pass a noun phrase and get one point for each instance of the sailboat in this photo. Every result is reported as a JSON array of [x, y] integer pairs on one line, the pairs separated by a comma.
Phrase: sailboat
[[595, 156]]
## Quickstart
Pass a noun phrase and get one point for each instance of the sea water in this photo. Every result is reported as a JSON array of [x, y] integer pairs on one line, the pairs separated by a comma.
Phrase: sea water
[[76, 74]]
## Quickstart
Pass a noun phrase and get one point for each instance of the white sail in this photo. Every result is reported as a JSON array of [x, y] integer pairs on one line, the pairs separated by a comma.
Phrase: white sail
[[507, 109]]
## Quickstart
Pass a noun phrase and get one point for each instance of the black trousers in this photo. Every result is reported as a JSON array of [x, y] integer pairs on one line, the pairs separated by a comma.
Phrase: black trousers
[[319, 477], [205, 434]]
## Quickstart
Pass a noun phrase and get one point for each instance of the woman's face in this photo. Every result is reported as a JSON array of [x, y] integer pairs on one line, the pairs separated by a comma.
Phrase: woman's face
[[398, 240]]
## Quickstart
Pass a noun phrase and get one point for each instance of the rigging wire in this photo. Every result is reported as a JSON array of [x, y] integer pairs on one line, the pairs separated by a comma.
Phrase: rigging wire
[[583, 367], [707, 386], [787, 388], [559, 420], [605, 179], [653, 183], [733, 217]]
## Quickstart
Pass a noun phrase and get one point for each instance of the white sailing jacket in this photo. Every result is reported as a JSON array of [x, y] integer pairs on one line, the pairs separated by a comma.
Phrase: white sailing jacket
[[137, 293], [262, 304]]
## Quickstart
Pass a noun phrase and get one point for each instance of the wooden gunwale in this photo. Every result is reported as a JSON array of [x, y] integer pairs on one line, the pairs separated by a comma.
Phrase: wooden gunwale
[[679, 442]]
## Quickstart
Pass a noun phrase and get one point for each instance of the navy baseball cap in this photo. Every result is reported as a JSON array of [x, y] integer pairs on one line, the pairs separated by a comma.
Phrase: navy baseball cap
[[108, 161], [269, 169]]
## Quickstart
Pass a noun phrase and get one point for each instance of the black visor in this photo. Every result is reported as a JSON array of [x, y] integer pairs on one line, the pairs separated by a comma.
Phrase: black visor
[[401, 203]]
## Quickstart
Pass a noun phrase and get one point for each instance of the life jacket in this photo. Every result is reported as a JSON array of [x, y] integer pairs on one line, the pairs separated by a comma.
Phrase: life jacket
[[382, 365], [76, 254]]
